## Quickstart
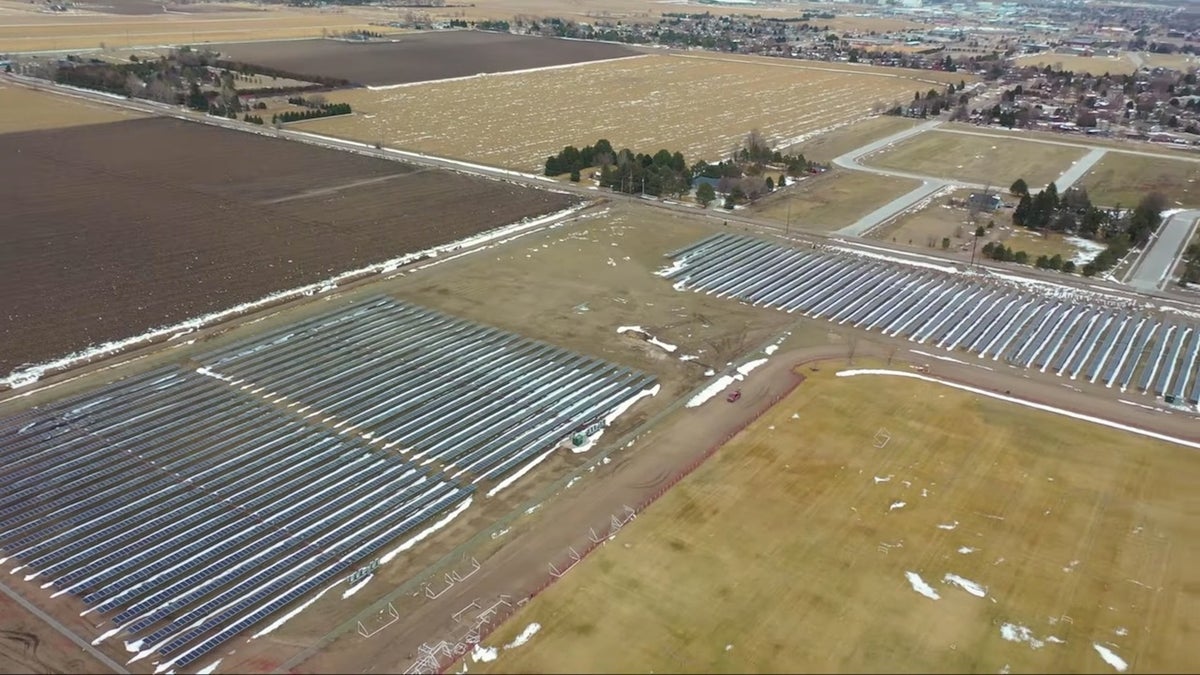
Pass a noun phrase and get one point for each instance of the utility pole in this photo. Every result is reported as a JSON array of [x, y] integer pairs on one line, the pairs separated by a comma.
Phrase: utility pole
[[974, 244], [787, 232]]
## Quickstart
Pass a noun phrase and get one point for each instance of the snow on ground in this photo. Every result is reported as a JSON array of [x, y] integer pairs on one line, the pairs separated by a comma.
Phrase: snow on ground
[[965, 584], [891, 258], [501, 533], [210, 668], [355, 588], [286, 617], [1017, 633], [26, 376], [483, 654], [938, 357], [688, 357], [947, 526], [716, 387], [387, 558], [659, 343], [649, 338], [524, 636], [1029, 404], [919, 585], [771, 349], [966, 550], [1110, 657], [1085, 249], [560, 66], [884, 479], [620, 410], [749, 366], [588, 444]]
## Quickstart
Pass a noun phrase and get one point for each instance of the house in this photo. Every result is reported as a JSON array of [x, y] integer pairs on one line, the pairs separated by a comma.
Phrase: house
[[984, 201]]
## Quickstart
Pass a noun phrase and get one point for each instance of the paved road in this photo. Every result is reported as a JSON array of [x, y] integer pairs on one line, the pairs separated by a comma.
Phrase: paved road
[[892, 209], [1152, 271], [1079, 169]]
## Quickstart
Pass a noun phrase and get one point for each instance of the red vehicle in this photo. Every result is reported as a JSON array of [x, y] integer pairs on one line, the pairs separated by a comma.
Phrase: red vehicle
[[734, 395]]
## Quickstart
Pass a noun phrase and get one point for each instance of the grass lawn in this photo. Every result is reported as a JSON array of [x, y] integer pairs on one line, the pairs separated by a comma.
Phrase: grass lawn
[[1125, 179], [1095, 65], [838, 142], [800, 546], [998, 161], [832, 200]]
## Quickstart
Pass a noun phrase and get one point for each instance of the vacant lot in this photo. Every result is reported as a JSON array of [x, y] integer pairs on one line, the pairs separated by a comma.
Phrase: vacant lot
[[700, 105], [832, 200], [419, 57], [1095, 65], [1125, 179], [24, 109], [983, 537], [826, 146], [977, 159], [92, 31], [107, 234]]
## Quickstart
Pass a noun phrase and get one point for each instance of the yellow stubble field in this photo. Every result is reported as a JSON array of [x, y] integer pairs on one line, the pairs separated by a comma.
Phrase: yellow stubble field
[[701, 105]]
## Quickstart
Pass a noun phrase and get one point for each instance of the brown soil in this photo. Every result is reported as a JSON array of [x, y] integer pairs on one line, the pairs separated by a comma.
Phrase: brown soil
[[113, 229], [420, 57]]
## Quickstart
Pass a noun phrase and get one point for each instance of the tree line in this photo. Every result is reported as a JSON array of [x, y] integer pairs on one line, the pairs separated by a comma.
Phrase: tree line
[[325, 110]]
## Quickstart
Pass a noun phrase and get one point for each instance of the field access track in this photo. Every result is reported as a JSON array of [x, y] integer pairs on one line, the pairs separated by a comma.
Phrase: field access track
[[111, 230], [476, 399], [419, 57], [1111, 345], [188, 505]]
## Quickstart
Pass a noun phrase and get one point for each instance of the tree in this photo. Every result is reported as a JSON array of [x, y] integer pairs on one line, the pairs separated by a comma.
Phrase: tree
[[1069, 267], [945, 242], [705, 194], [980, 231], [1020, 257], [782, 182], [1019, 188], [769, 185], [574, 175]]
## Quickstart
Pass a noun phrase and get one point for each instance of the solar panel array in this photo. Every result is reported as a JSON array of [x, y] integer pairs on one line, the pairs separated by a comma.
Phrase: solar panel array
[[187, 506], [436, 388], [1114, 346]]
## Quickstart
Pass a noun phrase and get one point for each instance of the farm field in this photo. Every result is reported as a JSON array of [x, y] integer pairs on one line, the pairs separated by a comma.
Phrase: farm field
[[982, 537], [1125, 179], [24, 109], [649, 103], [832, 200], [978, 159], [41, 32], [418, 57], [132, 238], [1095, 65], [837, 142]]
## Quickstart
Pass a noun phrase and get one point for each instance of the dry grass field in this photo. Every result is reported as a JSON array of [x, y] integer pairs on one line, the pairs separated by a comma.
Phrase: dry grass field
[[984, 537], [1095, 65], [1072, 138], [1176, 61], [44, 32], [825, 147], [832, 200], [977, 159], [418, 57], [24, 109], [700, 105], [1125, 179]]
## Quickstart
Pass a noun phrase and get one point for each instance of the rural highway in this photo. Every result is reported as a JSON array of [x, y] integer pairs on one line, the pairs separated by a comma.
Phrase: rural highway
[[1152, 271]]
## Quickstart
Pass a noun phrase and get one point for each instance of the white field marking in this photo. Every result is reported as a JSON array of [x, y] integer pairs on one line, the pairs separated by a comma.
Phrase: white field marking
[[919, 585], [355, 588], [1029, 404], [387, 558], [897, 505], [31, 374], [524, 636], [561, 66], [947, 526], [967, 585], [1110, 657], [716, 387]]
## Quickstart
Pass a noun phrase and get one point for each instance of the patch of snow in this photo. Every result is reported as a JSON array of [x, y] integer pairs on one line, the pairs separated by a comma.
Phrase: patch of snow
[[659, 343], [895, 259], [274, 625], [620, 410], [716, 387], [885, 479], [947, 526], [937, 356], [748, 367], [771, 349], [1029, 404], [483, 654], [588, 444], [795, 416], [1110, 657], [1086, 250], [387, 558], [897, 505], [1121, 631], [210, 668], [728, 647], [572, 482], [626, 329], [965, 584], [919, 585], [355, 588], [524, 636], [710, 372], [1018, 633], [688, 357], [501, 533], [966, 550], [533, 508]]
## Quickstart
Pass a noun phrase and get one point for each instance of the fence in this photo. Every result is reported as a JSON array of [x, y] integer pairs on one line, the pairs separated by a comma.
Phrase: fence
[[559, 568]]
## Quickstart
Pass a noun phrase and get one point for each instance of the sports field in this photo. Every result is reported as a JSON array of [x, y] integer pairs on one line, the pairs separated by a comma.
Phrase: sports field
[[978, 159], [702, 106], [982, 537], [24, 109], [1094, 65], [836, 142], [1125, 179]]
